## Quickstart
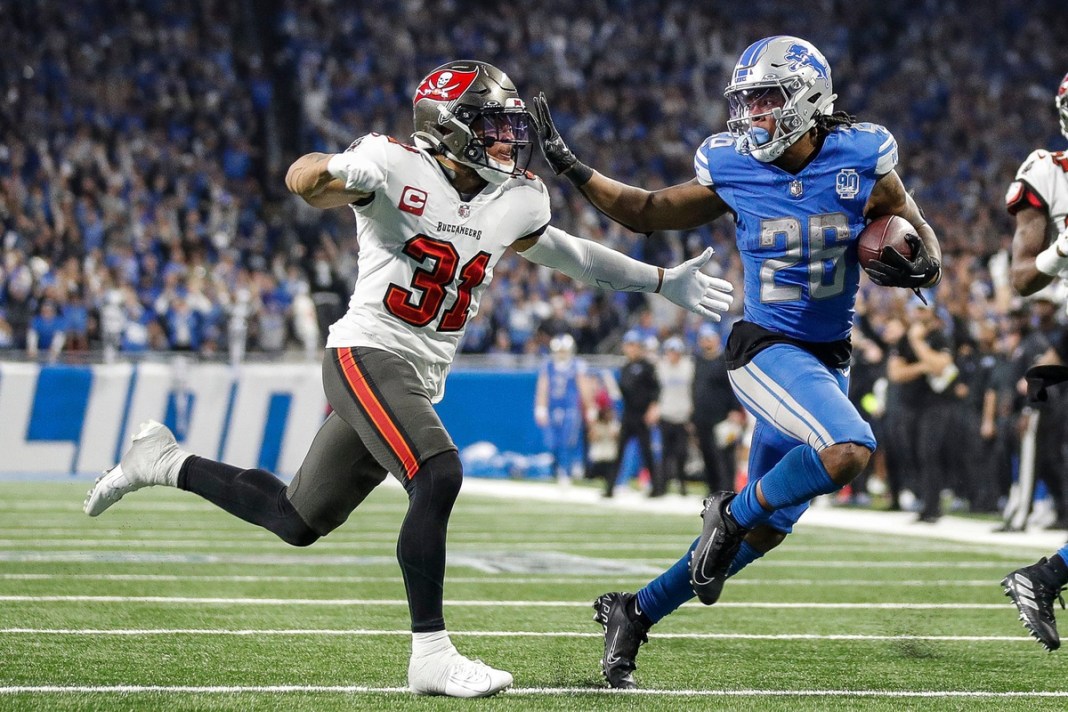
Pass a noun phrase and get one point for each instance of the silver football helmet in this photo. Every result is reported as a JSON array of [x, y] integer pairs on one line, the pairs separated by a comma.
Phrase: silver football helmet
[[785, 77], [464, 107], [1061, 101], [562, 347]]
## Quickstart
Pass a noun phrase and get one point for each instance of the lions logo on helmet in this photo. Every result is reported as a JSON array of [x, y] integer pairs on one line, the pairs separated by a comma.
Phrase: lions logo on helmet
[[800, 56], [465, 107], [787, 74]]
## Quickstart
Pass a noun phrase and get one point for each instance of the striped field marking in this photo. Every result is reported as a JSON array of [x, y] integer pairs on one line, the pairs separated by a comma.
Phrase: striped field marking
[[209, 545], [497, 579], [331, 632], [13, 536], [347, 560], [523, 691], [196, 600], [125, 539]]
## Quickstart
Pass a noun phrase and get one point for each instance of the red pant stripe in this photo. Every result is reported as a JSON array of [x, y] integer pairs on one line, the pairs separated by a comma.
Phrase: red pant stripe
[[380, 419]]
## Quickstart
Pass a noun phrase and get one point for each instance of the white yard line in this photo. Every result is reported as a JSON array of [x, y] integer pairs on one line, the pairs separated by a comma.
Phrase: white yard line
[[460, 558], [521, 691], [196, 600], [331, 632], [497, 579], [120, 539]]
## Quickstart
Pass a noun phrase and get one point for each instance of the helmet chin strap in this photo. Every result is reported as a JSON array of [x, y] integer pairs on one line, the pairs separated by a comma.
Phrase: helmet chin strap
[[757, 143], [493, 172]]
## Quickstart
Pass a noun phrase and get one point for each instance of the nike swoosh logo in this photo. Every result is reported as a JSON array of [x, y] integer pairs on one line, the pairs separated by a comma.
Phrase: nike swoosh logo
[[704, 559], [483, 685], [611, 659]]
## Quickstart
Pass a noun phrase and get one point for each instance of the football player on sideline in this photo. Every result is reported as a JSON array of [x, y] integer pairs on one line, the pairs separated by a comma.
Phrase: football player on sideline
[[1039, 200], [433, 220], [800, 180]]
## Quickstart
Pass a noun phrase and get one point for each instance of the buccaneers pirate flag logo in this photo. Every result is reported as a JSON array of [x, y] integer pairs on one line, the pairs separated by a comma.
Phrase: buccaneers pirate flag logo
[[445, 85]]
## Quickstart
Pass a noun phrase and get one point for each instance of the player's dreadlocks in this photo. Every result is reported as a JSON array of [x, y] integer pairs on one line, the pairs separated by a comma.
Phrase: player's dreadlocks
[[827, 122]]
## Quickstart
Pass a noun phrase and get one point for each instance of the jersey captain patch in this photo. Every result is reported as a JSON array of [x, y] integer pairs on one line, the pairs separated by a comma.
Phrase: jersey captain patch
[[412, 200]]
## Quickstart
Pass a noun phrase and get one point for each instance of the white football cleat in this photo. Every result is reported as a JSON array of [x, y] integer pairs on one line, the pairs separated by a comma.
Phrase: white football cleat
[[154, 458], [454, 675]]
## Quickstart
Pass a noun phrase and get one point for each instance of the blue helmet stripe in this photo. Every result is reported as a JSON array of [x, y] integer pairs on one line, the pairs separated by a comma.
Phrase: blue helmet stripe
[[753, 51]]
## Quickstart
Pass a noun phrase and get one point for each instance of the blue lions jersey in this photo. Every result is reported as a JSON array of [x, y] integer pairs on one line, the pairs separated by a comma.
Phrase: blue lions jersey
[[564, 392], [797, 233]]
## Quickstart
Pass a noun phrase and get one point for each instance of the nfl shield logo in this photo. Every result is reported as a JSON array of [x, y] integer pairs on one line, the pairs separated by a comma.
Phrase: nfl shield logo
[[464, 211], [796, 189]]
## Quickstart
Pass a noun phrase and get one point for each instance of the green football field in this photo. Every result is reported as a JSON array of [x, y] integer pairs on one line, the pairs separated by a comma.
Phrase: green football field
[[165, 603]]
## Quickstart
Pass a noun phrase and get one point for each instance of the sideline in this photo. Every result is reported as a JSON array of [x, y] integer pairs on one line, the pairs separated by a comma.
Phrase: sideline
[[1030, 544], [897, 524]]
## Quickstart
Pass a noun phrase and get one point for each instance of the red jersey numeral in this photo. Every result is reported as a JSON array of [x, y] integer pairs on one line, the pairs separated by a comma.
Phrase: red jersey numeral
[[420, 302], [471, 276]]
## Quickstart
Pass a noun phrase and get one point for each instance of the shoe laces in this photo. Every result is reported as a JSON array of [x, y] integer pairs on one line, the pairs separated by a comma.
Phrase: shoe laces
[[470, 671], [1053, 592]]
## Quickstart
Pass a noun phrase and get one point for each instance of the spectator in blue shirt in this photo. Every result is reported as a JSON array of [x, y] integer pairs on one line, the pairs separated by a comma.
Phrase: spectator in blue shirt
[[46, 333]]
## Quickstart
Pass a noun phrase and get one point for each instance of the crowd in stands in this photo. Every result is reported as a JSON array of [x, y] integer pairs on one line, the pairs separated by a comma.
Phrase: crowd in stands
[[143, 144]]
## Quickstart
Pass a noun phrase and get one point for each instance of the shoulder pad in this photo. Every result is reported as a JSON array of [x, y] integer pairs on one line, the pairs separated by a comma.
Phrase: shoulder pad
[[873, 144], [710, 152]]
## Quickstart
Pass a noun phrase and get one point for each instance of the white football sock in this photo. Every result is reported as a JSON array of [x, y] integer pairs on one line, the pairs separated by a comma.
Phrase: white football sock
[[435, 643]]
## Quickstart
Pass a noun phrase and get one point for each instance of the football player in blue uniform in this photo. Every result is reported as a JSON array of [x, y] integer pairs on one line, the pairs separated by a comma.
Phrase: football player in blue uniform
[[561, 398], [800, 181]]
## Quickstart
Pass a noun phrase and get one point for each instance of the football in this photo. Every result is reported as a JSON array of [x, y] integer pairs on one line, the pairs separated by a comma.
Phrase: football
[[887, 231]]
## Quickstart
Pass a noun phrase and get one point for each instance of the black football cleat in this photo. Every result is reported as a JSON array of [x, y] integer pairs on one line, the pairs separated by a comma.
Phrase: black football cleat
[[1031, 592], [720, 538], [622, 637]]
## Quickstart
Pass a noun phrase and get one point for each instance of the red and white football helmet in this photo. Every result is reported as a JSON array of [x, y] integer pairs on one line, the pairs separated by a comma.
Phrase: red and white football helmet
[[464, 107]]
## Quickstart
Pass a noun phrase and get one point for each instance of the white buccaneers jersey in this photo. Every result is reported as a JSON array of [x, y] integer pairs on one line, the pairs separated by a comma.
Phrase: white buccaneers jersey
[[1042, 182], [426, 256]]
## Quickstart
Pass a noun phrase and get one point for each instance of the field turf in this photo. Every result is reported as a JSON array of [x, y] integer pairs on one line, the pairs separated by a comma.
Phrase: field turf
[[165, 602]]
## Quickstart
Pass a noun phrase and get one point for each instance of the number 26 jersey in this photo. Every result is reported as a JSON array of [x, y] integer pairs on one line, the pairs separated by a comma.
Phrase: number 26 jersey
[[796, 232], [426, 256]]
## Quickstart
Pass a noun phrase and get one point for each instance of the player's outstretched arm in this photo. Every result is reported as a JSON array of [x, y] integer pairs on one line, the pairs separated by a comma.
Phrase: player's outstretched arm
[[592, 263], [330, 180], [678, 207], [1034, 263]]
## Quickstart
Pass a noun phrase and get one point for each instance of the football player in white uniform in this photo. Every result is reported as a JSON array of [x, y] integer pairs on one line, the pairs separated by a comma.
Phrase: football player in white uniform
[[1039, 200], [433, 219]]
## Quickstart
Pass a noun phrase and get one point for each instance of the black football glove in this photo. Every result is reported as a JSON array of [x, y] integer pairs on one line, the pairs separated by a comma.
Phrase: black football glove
[[893, 270], [557, 154], [1041, 378]]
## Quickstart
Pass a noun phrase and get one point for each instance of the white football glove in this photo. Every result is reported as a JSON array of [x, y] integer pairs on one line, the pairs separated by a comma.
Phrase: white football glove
[[1054, 259], [358, 174], [692, 289], [1061, 244]]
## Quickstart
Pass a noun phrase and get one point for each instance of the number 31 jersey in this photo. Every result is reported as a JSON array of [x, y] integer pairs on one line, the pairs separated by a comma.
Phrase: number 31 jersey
[[426, 256], [796, 232]]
